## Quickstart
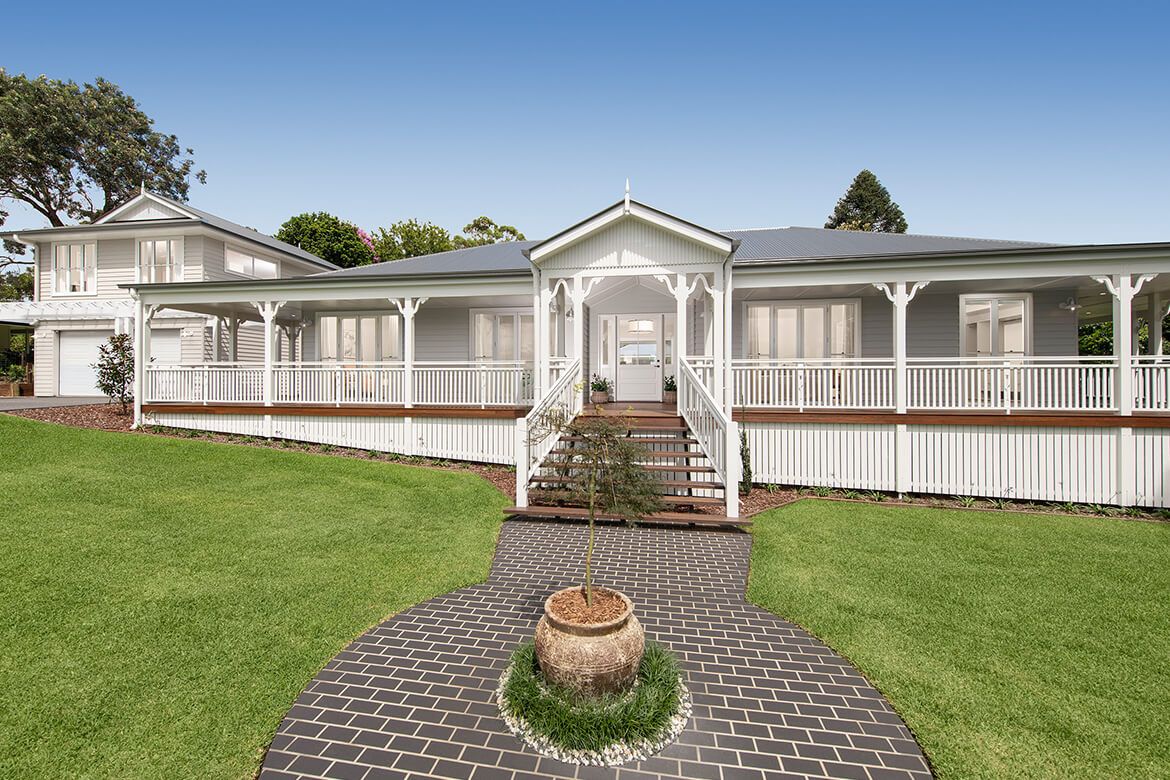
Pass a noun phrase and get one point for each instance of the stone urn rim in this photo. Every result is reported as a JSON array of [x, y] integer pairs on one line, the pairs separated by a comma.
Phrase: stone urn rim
[[588, 629]]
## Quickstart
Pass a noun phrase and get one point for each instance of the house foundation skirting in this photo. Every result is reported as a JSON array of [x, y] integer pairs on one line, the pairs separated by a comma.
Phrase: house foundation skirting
[[1094, 464], [1083, 459], [478, 439]]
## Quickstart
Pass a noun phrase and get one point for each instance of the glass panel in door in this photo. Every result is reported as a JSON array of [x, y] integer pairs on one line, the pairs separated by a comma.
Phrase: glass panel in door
[[787, 344], [813, 333], [505, 337], [759, 339], [1010, 331], [368, 339]]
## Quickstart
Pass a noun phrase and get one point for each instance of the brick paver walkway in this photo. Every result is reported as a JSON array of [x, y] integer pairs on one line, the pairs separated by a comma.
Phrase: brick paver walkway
[[413, 697]]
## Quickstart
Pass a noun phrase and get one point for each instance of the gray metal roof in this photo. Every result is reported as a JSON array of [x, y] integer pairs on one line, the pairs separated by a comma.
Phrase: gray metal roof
[[490, 259], [227, 226], [204, 217], [805, 243], [793, 244]]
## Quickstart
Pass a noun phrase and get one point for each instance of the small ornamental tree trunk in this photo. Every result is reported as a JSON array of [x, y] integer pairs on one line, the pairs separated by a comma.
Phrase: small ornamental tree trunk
[[611, 478], [115, 369]]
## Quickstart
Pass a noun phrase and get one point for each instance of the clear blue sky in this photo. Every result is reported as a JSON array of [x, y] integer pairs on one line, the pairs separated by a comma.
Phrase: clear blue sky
[[1048, 122]]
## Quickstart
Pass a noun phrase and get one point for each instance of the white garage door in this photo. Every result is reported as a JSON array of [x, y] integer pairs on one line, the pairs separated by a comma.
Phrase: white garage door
[[77, 352]]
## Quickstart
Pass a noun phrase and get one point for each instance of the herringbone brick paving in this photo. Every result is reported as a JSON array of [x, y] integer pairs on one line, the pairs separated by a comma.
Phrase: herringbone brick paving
[[412, 698]]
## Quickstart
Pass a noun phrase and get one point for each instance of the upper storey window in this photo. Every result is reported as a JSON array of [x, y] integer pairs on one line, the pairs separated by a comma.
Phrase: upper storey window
[[160, 260], [246, 264], [74, 269]]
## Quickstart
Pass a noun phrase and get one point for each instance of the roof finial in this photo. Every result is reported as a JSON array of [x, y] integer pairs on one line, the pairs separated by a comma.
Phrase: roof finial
[[627, 194], [142, 186]]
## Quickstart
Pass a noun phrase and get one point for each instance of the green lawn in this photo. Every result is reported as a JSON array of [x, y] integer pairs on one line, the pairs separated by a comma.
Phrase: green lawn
[[162, 602], [1013, 645]]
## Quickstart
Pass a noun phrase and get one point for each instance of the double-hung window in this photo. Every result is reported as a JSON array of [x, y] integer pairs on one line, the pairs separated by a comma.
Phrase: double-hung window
[[160, 260], [996, 325], [791, 330], [368, 338], [247, 264], [75, 269]]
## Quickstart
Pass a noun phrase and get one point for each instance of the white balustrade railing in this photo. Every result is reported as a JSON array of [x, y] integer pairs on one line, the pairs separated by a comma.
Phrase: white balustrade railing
[[704, 366], [1151, 383], [480, 383], [557, 367], [338, 383], [831, 383], [538, 432], [1011, 384], [706, 419], [208, 383]]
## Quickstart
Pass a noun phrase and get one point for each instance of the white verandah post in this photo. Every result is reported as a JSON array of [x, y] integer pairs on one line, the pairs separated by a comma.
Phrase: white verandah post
[[900, 297], [139, 359]]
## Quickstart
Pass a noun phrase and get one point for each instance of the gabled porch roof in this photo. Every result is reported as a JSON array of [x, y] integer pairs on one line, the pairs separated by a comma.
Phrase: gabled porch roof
[[630, 209]]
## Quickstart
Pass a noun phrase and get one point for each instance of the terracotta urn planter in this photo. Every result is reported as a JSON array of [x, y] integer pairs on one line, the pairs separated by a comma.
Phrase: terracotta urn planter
[[592, 658], [598, 396]]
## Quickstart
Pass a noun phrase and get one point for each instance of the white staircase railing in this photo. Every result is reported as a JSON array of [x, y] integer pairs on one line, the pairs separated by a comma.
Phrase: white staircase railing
[[538, 433], [715, 433]]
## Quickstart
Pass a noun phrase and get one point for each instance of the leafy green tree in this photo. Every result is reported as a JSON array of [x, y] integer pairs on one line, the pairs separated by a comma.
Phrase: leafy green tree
[[115, 369], [411, 238], [73, 152], [328, 237], [484, 230], [867, 206], [16, 285], [1096, 338]]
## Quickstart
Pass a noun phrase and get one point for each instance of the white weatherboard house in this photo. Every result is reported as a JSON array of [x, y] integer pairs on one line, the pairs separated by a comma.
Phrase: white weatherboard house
[[81, 298], [869, 361]]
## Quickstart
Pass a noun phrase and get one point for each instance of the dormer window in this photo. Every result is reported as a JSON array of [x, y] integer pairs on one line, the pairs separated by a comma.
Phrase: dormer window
[[247, 264], [74, 269], [160, 260]]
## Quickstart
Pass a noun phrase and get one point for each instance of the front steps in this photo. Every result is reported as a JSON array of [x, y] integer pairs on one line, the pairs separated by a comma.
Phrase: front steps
[[690, 489]]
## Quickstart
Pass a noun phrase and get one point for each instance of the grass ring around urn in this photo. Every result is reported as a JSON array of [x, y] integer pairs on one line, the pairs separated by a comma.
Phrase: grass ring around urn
[[606, 731]]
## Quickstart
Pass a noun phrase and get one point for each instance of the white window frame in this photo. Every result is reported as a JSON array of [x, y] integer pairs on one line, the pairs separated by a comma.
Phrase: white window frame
[[87, 293], [181, 253], [255, 256], [516, 310], [798, 303], [1011, 296], [357, 315]]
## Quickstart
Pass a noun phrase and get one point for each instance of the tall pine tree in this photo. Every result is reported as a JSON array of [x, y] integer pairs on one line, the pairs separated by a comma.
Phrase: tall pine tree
[[867, 205]]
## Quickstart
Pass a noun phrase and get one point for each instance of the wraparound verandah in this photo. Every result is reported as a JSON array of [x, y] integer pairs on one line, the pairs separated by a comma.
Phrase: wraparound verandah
[[384, 352]]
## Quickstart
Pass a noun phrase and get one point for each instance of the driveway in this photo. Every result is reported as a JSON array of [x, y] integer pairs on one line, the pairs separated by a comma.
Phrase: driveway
[[32, 402]]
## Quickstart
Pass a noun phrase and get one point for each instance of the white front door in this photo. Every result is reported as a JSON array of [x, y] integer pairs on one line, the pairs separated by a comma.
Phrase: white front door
[[639, 358]]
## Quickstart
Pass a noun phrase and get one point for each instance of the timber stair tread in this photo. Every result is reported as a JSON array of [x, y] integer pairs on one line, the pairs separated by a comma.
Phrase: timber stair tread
[[647, 439], [666, 499], [684, 518], [653, 455], [672, 483], [648, 466]]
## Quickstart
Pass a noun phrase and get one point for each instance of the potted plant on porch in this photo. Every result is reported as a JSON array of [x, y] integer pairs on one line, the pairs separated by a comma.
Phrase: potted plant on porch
[[599, 389], [669, 390]]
